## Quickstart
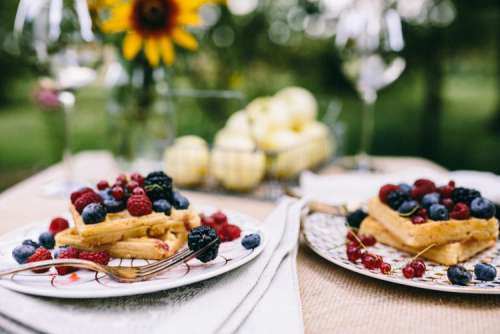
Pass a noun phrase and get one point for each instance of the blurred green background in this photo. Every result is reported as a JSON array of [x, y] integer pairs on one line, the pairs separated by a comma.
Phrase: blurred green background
[[445, 107]]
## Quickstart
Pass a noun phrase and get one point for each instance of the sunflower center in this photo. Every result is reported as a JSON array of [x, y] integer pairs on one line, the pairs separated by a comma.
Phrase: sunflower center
[[152, 17]]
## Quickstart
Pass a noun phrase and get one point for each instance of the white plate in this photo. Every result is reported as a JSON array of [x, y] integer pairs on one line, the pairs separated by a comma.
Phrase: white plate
[[87, 284], [326, 236]]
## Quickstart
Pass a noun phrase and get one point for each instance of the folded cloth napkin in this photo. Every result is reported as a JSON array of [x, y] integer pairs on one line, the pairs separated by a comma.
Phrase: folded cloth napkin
[[261, 296], [359, 186]]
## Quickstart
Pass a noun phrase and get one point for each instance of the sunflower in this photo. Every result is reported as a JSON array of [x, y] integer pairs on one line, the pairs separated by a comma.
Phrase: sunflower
[[153, 25]]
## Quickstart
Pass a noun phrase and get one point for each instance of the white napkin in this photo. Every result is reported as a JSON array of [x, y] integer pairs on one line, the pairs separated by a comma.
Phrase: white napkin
[[261, 296], [358, 186]]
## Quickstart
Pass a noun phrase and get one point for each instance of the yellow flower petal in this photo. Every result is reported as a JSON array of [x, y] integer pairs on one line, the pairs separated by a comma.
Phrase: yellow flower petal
[[152, 52], [167, 50], [191, 19], [195, 4], [184, 39], [131, 45], [119, 20]]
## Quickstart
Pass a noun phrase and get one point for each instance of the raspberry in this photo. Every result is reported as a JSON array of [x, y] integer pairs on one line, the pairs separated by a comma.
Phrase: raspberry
[[209, 221], [97, 257], [76, 194], [122, 180], [132, 185], [139, 205], [85, 199], [41, 254], [460, 212], [229, 232], [137, 178], [219, 217], [68, 253], [385, 190], [422, 187], [117, 192], [102, 185], [138, 191], [58, 225]]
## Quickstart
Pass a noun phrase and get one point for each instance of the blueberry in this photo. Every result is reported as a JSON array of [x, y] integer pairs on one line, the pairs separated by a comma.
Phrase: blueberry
[[29, 242], [46, 239], [438, 212], [94, 213], [355, 218], [485, 272], [251, 241], [405, 188], [396, 198], [179, 201], [458, 275], [106, 194], [22, 253], [114, 205], [408, 208], [480, 207], [430, 199], [162, 205]]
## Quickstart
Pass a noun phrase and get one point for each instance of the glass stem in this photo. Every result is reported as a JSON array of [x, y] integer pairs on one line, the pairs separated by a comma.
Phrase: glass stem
[[367, 127]]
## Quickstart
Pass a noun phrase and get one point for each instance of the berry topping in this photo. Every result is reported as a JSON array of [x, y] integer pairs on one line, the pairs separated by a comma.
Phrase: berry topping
[[137, 178], [162, 205], [94, 213], [76, 194], [448, 203], [58, 225], [179, 201], [445, 191], [427, 186], [458, 275], [460, 211], [113, 205], [46, 239], [229, 232], [408, 271], [482, 208], [67, 253], [139, 205], [430, 199], [132, 185], [29, 242], [251, 241], [385, 268], [408, 208], [102, 185], [101, 257], [201, 236], [417, 220], [219, 217], [353, 253], [370, 261], [438, 212], [122, 180], [385, 191], [86, 199], [352, 236], [485, 272], [368, 240], [405, 188], [158, 185], [464, 195], [22, 253], [117, 192], [419, 267], [355, 218], [138, 191], [396, 198], [41, 254]]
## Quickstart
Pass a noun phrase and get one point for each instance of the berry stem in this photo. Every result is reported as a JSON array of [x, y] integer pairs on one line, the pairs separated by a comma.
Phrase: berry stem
[[423, 251], [359, 240]]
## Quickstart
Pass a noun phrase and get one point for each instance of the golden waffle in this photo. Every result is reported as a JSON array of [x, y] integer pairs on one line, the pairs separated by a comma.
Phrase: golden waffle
[[447, 254], [133, 248], [121, 226], [432, 232]]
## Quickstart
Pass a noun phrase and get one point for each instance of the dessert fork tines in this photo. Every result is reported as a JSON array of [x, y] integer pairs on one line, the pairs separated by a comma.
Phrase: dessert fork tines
[[117, 273]]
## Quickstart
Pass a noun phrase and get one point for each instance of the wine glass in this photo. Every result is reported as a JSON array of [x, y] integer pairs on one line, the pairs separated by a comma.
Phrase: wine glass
[[57, 37]]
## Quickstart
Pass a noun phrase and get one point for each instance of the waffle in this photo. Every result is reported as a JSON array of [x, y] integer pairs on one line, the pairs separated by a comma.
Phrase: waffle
[[121, 226], [432, 232], [447, 254]]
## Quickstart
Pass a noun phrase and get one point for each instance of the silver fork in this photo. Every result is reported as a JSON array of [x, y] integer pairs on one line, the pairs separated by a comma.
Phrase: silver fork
[[117, 273]]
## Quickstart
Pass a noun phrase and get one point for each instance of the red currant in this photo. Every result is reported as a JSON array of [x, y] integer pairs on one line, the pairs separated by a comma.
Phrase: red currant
[[353, 244], [417, 220], [132, 185], [121, 180], [219, 217], [137, 178], [138, 191], [117, 192], [368, 240], [448, 203], [369, 261], [378, 261], [445, 191], [102, 185], [351, 235], [385, 268], [353, 253], [419, 267], [408, 272]]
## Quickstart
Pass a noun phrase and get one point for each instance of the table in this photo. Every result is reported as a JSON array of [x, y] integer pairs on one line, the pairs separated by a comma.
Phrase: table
[[334, 300]]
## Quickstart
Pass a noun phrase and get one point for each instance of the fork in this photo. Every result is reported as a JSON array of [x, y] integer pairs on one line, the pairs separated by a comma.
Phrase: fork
[[118, 273]]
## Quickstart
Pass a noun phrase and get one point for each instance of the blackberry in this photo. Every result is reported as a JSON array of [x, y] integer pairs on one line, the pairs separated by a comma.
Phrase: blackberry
[[201, 236], [158, 185], [355, 218], [396, 198], [464, 195]]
